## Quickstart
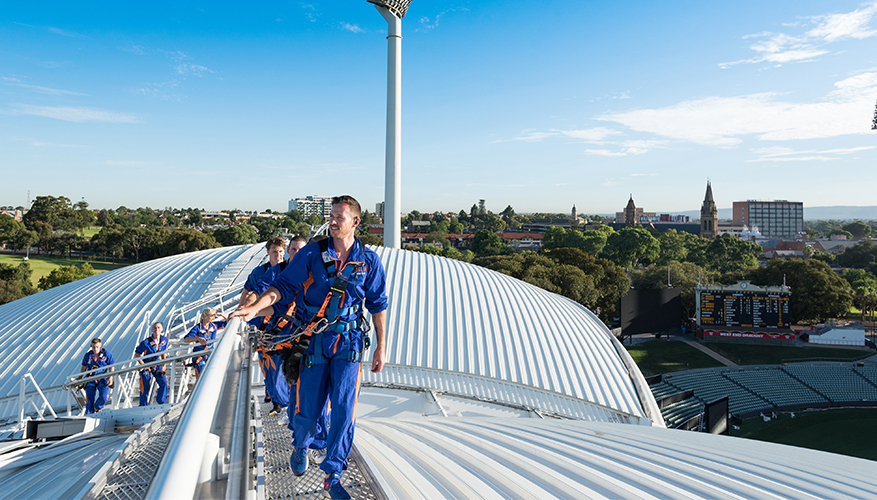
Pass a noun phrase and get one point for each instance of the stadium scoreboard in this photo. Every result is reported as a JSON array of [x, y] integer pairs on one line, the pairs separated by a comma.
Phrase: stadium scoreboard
[[743, 306]]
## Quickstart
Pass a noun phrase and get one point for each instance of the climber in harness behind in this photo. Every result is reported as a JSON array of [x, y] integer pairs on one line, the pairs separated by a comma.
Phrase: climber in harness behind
[[331, 284]]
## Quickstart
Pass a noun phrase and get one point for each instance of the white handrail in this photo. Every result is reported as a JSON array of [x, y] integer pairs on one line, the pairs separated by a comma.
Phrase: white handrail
[[22, 403], [177, 474]]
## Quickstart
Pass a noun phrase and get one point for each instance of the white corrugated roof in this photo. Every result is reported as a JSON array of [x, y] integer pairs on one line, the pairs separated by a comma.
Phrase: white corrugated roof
[[543, 459], [460, 318], [47, 334]]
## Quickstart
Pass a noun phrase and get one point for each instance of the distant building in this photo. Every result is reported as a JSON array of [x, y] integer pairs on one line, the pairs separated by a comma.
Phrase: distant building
[[379, 210], [312, 205], [708, 215], [775, 219], [574, 215]]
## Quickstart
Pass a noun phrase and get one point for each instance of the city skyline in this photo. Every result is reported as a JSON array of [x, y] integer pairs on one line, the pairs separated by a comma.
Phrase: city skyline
[[540, 107]]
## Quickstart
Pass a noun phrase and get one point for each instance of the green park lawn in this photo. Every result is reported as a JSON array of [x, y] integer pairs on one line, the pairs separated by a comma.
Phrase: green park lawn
[[42, 266], [664, 356], [847, 431], [745, 354]]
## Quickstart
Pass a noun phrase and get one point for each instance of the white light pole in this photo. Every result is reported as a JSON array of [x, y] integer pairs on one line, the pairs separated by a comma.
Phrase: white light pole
[[393, 11]]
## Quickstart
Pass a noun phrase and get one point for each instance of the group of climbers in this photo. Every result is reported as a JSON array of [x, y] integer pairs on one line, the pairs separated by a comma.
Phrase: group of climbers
[[149, 350], [310, 309], [331, 283]]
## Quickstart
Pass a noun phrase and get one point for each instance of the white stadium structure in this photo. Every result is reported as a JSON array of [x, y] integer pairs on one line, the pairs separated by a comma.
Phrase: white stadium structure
[[493, 389]]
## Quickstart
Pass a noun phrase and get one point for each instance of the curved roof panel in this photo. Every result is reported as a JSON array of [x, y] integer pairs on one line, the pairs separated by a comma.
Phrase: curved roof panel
[[457, 317], [47, 334], [540, 459]]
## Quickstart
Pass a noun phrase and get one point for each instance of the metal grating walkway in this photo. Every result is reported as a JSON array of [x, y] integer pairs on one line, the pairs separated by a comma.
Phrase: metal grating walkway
[[131, 473], [279, 480]]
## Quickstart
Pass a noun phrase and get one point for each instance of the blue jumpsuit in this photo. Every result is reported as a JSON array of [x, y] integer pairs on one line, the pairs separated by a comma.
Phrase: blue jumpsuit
[[275, 385], [205, 332], [149, 346], [331, 375], [96, 391]]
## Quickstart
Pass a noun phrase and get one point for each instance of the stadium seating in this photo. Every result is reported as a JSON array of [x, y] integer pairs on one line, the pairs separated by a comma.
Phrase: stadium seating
[[764, 388]]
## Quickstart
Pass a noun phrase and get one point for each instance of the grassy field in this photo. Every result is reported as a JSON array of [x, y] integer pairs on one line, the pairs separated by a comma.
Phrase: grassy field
[[42, 266], [745, 354], [662, 356], [848, 431], [88, 233]]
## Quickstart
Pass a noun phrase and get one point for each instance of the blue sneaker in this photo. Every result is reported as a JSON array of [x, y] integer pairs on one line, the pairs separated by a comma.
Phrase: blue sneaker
[[332, 484], [298, 461]]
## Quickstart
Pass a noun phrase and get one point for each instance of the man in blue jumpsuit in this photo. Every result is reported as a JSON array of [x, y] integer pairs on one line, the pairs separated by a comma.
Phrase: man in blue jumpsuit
[[152, 346], [97, 391], [252, 289], [330, 368]]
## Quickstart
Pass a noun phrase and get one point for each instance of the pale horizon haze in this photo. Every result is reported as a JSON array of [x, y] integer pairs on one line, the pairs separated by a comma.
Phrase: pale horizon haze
[[537, 105]]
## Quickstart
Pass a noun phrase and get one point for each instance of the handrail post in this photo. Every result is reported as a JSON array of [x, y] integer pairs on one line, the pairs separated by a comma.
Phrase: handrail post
[[21, 388]]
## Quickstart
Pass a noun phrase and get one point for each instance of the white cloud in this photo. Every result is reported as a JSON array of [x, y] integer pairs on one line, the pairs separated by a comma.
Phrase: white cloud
[[782, 48], [17, 82], [853, 24], [431, 23], [352, 28], [161, 91], [192, 69], [80, 115], [591, 135], [61, 32], [604, 152], [722, 121], [777, 153]]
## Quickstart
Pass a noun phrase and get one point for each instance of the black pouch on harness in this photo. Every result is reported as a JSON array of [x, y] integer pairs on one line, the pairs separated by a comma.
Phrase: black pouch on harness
[[292, 358]]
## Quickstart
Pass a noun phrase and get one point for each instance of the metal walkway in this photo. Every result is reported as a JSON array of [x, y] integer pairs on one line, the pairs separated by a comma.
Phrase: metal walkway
[[131, 473], [280, 483]]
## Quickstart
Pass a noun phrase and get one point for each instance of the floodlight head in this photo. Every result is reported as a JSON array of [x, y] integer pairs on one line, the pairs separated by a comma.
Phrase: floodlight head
[[397, 7]]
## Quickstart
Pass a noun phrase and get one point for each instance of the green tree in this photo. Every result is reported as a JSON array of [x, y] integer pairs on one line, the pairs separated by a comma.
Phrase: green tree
[[860, 256], [370, 239], [728, 254], [188, 240], [295, 215], [54, 211], [109, 241], [84, 217], [8, 228], [44, 233], [194, 217], [314, 220], [23, 239], [818, 293], [487, 243], [66, 274], [860, 279], [105, 218], [609, 279], [239, 234], [858, 229], [631, 247], [15, 282], [554, 237], [677, 245]]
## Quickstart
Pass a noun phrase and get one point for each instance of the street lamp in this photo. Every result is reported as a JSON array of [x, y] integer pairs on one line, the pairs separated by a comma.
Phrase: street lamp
[[393, 11]]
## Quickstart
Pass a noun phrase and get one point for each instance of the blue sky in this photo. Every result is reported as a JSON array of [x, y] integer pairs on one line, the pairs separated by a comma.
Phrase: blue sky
[[536, 105]]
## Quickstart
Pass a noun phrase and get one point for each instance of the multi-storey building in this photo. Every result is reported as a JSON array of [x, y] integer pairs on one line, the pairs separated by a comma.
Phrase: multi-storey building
[[312, 205], [379, 210], [774, 219]]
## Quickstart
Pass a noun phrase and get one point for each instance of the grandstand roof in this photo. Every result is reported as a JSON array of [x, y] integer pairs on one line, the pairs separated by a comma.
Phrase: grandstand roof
[[463, 342]]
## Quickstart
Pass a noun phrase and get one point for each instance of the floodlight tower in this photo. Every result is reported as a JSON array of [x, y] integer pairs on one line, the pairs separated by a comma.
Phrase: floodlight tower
[[393, 11]]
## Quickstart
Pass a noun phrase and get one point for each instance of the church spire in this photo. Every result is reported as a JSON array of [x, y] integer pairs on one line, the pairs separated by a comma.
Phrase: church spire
[[708, 214]]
